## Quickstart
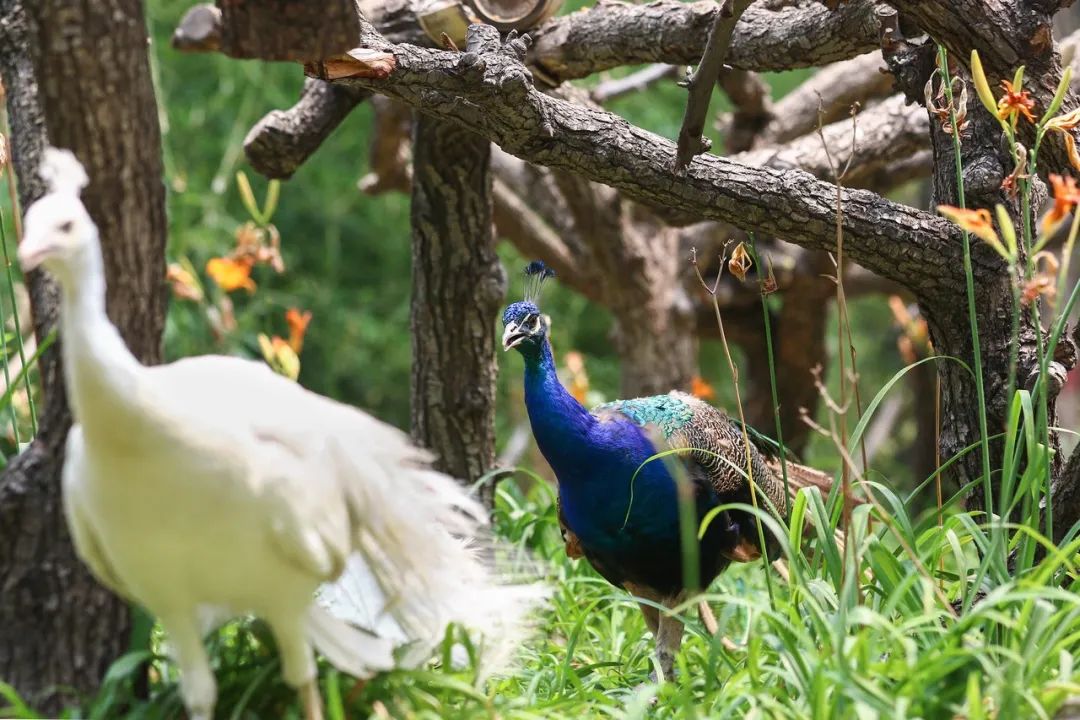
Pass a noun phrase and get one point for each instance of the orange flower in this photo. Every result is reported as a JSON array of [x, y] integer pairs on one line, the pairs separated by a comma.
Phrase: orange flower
[[230, 274], [298, 322], [183, 283], [579, 379], [1066, 196], [1015, 102], [700, 388], [1044, 282], [914, 338], [976, 222]]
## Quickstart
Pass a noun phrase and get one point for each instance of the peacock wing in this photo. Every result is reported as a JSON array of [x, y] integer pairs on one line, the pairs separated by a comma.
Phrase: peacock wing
[[717, 444], [331, 466]]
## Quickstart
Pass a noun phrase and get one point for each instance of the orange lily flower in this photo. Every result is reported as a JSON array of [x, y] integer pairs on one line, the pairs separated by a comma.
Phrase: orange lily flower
[[977, 222], [230, 274], [281, 358], [1066, 196], [701, 389], [1014, 103], [298, 323]]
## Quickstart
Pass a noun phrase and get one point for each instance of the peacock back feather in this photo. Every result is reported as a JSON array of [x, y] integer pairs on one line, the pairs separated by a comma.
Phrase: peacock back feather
[[713, 441]]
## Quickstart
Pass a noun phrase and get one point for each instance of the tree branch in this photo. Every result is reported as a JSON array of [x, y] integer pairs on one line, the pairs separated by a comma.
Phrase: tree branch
[[833, 89], [280, 143], [752, 98], [886, 134], [703, 80], [612, 34], [491, 92], [388, 153], [635, 82]]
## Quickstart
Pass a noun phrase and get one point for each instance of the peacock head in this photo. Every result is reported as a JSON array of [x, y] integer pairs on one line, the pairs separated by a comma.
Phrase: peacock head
[[59, 231], [524, 326]]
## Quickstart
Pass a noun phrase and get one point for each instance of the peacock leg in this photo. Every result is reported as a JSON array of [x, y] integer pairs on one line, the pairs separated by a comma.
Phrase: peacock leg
[[649, 610], [652, 618], [197, 686], [669, 638], [298, 665]]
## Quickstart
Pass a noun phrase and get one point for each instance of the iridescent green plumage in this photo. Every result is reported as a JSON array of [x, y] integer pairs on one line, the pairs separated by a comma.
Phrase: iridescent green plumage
[[713, 441]]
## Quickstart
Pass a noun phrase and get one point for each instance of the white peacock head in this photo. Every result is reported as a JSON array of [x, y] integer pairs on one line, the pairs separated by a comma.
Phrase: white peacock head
[[58, 228]]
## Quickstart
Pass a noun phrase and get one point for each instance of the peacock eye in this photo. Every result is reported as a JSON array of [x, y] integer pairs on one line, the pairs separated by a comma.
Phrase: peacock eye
[[535, 319], [65, 227]]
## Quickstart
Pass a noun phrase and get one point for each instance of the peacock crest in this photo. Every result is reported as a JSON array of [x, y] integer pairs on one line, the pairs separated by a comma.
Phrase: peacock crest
[[536, 275]]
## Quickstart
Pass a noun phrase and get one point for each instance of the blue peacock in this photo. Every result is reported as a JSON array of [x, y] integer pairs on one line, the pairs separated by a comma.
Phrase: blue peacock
[[618, 508]]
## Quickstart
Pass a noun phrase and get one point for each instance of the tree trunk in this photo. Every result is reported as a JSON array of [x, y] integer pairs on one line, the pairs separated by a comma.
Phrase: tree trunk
[[62, 65], [458, 286]]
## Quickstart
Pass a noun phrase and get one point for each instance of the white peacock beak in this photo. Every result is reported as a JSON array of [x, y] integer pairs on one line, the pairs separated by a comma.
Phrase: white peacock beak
[[33, 251], [512, 336]]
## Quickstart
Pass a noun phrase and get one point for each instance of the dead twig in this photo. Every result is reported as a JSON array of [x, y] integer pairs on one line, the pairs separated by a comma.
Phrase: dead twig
[[701, 84]]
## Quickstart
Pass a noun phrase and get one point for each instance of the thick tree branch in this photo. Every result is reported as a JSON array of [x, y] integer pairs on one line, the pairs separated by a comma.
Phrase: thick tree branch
[[533, 237], [492, 92], [280, 143], [458, 285], [833, 90], [888, 133], [612, 34]]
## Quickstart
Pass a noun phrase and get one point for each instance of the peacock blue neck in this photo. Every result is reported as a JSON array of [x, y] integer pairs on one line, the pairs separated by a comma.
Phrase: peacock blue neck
[[594, 462], [560, 424]]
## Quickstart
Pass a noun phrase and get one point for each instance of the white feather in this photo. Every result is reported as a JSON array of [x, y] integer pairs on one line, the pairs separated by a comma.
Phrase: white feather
[[212, 487]]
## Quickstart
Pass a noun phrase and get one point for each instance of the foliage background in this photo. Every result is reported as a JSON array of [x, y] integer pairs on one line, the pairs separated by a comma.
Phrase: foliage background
[[347, 254]]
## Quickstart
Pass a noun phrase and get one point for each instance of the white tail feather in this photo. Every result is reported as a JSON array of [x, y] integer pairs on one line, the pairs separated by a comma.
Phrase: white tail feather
[[416, 569], [359, 653]]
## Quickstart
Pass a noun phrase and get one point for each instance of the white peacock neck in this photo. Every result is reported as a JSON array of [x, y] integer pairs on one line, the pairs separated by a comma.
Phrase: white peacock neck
[[101, 373]]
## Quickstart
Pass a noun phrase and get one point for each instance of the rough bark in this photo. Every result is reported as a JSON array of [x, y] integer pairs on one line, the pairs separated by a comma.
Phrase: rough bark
[[280, 143], [61, 66], [985, 165], [884, 134], [1007, 34], [458, 287], [802, 33]]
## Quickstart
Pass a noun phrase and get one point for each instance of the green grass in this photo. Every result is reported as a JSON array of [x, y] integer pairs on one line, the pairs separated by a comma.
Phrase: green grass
[[816, 652]]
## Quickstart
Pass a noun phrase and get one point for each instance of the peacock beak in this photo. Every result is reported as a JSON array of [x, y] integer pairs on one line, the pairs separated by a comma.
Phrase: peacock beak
[[33, 250], [512, 336]]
